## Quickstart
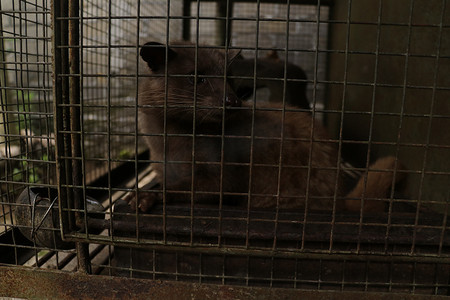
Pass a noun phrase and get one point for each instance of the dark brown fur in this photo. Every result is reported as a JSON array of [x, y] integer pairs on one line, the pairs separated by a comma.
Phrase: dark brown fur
[[222, 158], [268, 70]]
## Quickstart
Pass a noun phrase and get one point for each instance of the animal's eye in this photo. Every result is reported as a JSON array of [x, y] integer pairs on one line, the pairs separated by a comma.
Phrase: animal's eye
[[200, 79]]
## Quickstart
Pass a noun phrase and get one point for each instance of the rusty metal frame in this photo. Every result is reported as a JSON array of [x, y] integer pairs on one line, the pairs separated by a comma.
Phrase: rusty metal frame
[[42, 284], [66, 91], [33, 282]]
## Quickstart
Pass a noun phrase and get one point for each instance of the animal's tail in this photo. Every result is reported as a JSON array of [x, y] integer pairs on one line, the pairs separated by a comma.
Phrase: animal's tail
[[375, 185]]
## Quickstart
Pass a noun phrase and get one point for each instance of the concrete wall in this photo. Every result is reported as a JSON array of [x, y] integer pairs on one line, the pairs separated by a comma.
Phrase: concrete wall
[[397, 74]]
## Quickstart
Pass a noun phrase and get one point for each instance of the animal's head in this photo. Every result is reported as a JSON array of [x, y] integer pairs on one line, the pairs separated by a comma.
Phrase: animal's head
[[195, 75]]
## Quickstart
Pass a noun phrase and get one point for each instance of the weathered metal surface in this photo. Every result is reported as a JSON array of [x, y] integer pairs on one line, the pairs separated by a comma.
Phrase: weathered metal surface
[[61, 111], [67, 117], [42, 284], [37, 217], [258, 232], [75, 105], [332, 273]]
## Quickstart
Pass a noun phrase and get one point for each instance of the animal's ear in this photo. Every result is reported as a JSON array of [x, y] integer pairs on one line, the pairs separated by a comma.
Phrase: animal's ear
[[154, 54]]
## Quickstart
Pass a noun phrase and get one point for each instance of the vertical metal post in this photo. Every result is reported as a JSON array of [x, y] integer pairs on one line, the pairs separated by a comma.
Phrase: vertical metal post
[[74, 98], [225, 12], [3, 83], [3, 93], [61, 113], [186, 21], [66, 91], [75, 127]]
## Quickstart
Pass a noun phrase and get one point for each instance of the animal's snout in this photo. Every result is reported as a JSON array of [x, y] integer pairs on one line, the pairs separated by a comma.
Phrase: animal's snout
[[232, 100]]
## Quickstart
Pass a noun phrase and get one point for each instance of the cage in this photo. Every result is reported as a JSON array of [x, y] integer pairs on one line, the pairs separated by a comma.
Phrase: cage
[[87, 209]]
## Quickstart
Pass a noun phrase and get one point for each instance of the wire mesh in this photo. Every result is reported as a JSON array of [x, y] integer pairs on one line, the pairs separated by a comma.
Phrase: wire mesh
[[26, 96], [108, 51], [305, 273], [27, 147], [368, 79]]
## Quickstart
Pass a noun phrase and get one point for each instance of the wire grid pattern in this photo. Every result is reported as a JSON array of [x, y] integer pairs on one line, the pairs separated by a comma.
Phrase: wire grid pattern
[[299, 18], [109, 75], [369, 236], [263, 26], [384, 59], [109, 64], [26, 114], [305, 38], [315, 48], [109, 49], [105, 30], [305, 273]]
